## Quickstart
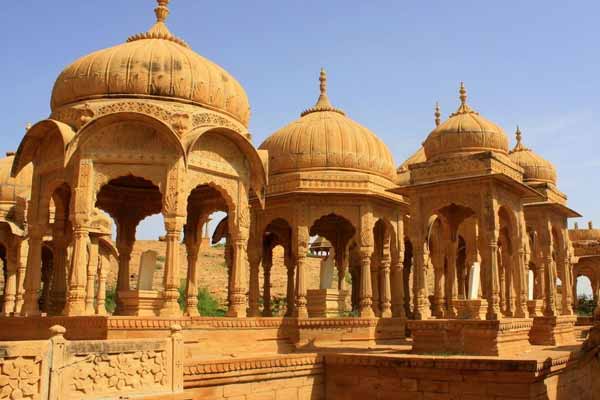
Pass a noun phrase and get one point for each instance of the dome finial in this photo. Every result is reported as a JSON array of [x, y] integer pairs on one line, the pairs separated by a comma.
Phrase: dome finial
[[162, 11], [323, 103], [519, 145], [463, 93], [437, 114]]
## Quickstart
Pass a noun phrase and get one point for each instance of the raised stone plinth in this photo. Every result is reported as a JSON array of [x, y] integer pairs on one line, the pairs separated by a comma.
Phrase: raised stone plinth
[[471, 309], [326, 303], [486, 338], [141, 303], [553, 331], [535, 308]]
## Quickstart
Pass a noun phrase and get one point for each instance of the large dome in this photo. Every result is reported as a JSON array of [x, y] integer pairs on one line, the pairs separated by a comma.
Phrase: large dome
[[465, 132], [12, 188], [152, 64], [325, 138], [535, 168]]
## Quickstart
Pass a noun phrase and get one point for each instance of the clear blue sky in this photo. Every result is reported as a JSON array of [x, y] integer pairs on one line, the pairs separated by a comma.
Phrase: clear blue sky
[[532, 63]]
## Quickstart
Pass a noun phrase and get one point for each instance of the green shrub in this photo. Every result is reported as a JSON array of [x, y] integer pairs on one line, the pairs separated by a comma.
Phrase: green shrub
[[111, 299], [585, 306], [208, 306]]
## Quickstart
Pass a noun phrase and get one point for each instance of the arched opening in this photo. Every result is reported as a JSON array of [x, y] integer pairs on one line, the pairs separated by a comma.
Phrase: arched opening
[[207, 203], [586, 301], [408, 277], [333, 298], [277, 266], [128, 200], [47, 272]]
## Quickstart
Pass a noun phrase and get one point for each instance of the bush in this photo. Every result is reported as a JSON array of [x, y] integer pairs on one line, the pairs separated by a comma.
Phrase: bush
[[585, 306], [111, 299], [208, 306]]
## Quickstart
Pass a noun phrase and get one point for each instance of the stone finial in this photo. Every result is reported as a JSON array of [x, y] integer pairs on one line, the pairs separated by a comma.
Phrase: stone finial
[[519, 146], [10, 153], [162, 11], [590, 225], [57, 330], [323, 103], [28, 127], [437, 114], [463, 93]]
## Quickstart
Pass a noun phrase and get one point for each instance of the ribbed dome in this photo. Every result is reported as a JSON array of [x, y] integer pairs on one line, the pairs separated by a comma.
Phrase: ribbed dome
[[11, 188], [536, 169], [325, 138], [465, 132], [152, 64]]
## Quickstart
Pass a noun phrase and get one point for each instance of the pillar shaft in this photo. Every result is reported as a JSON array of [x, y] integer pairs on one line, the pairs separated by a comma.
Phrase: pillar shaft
[[237, 300], [386, 289], [10, 286], [77, 278], [33, 274], [290, 290], [493, 311], [191, 302], [171, 282], [267, 266], [101, 294], [366, 291], [92, 271]]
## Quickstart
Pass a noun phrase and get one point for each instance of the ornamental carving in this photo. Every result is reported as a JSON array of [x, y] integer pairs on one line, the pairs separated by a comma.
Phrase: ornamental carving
[[111, 373], [20, 378]]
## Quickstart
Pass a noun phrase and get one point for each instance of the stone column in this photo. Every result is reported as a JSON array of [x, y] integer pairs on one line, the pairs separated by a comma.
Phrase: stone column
[[237, 299], [33, 273], [503, 280], [125, 241], [290, 290], [376, 298], [170, 308], [10, 284], [567, 297], [254, 283], [191, 296], [302, 247], [451, 279], [493, 311], [397, 282], [92, 270], [77, 278], [267, 265], [58, 290], [386, 290], [366, 291], [101, 294], [23, 250], [550, 281], [421, 308], [437, 261], [521, 277]]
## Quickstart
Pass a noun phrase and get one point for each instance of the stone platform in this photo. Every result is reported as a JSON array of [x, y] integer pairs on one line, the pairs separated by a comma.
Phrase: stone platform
[[553, 331], [475, 337]]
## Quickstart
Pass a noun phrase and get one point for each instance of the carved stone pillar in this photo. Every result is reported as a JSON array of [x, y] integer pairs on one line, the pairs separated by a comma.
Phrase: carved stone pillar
[[10, 284], [237, 300], [191, 296], [386, 290], [267, 266], [23, 250], [366, 291], [125, 241], [302, 247], [550, 282], [438, 284], [58, 290], [254, 259], [421, 308], [290, 290], [34, 273], [101, 294], [376, 298], [493, 312], [522, 278], [171, 282], [343, 270], [567, 296], [397, 282], [77, 277], [92, 270], [452, 279]]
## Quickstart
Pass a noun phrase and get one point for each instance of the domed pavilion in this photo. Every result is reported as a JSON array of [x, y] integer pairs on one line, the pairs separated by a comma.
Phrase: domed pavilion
[[145, 127], [329, 176]]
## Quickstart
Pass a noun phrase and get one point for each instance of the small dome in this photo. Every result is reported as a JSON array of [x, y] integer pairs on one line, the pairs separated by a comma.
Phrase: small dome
[[465, 132], [325, 138], [536, 169], [403, 173], [11, 188], [154, 64]]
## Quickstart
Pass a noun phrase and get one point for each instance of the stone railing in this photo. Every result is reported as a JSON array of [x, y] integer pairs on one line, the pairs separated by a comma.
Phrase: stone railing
[[92, 369]]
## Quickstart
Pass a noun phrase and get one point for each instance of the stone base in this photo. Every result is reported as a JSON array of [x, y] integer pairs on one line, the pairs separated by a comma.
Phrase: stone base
[[326, 303], [535, 308], [553, 331], [141, 303], [485, 338], [471, 309]]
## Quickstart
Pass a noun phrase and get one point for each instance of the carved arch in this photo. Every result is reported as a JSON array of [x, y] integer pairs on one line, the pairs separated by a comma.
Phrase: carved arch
[[63, 135], [258, 163], [90, 128]]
